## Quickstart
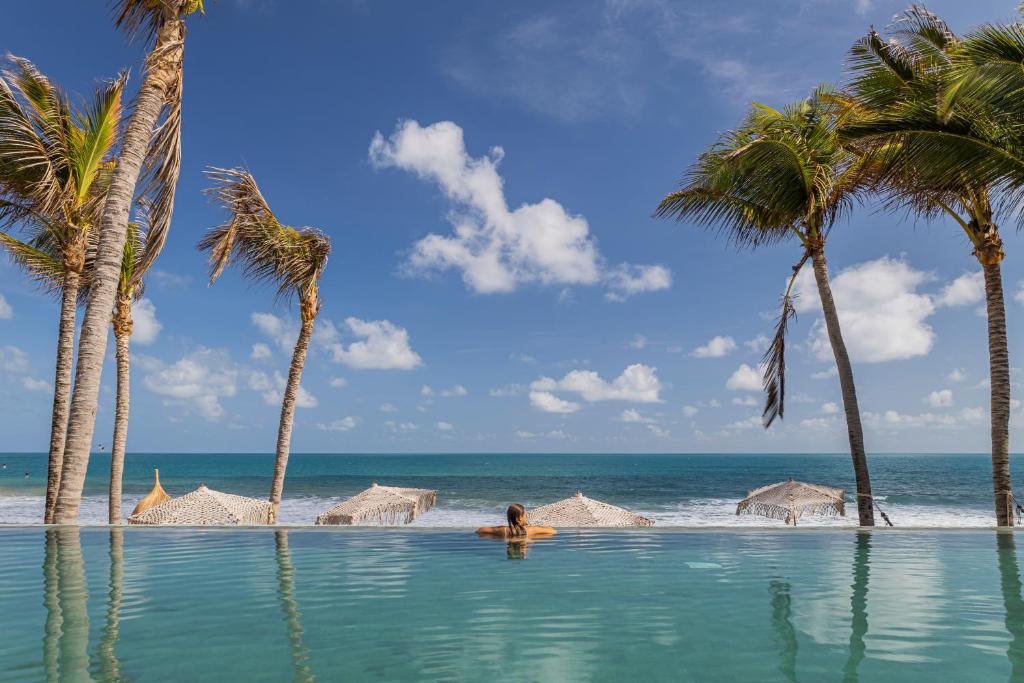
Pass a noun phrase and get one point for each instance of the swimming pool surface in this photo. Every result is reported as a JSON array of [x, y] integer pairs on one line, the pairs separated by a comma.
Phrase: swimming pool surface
[[417, 605]]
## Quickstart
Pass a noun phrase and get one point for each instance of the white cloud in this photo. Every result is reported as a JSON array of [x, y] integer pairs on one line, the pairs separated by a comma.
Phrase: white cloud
[[633, 415], [748, 401], [940, 399], [507, 390], [169, 280], [445, 426], [145, 327], [639, 341], [830, 408], [715, 348], [882, 315], [832, 371], [745, 378], [426, 390], [974, 415], [401, 426], [281, 331], [260, 351], [341, 425], [385, 346], [494, 247], [690, 411], [337, 382], [196, 381], [457, 390], [13, 360], [272, 389], [522, 358], [659, 432], [957, 375], [758, 344], [1018, 296], [965, 290], [388, 408], [33, 384], [6, 311], [549, 403], [638, 384]]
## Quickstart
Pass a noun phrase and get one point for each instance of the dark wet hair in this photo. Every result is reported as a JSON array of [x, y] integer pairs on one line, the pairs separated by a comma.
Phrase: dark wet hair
[[516, 515]]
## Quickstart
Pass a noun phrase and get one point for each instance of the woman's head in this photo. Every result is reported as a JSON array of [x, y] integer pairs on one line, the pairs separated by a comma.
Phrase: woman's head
[[516, 515]]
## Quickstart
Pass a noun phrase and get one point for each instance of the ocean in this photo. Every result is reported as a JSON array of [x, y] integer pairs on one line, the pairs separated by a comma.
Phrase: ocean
[[689, 490]]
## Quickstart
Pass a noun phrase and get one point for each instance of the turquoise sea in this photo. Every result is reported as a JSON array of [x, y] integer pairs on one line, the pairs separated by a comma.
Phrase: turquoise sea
[[474, 489]]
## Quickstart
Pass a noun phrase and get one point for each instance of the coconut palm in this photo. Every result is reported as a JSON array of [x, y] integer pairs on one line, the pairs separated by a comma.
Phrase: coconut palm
[[139, 246], [151, 147], [268, 251], [55, 167], [939, 150], [783, 176]]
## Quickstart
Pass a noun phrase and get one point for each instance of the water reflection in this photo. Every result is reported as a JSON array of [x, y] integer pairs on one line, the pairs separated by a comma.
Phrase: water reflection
[[65, 597], [110, 667], [782, 624], [290, 608], [1010, 584], [858, 606]]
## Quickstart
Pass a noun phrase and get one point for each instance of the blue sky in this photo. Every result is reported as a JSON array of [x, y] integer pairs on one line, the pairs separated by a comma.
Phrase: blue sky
[[487, 172]]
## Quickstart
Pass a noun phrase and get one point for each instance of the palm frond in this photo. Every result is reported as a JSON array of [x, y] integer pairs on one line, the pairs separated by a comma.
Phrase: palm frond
[[774, 359], [43, 268], [93, 138], [143, 18]]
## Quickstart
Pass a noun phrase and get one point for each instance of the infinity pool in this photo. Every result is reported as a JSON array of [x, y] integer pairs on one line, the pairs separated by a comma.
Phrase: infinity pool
[[414, 605]]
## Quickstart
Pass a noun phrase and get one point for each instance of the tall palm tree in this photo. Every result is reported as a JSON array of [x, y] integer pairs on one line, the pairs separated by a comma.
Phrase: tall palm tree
[[782, 175], [55, 168], [937, 149], [268, 251], [151, 146], [140, 251]]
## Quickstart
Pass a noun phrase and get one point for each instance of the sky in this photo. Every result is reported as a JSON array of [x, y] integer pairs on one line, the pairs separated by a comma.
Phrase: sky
[[487, 174]]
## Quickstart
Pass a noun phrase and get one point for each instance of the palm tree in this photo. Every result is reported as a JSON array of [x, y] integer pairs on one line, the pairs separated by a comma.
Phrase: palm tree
[[937, 149], [55, 167], [151, 146], [268, 251], [140, 251], [784, 176]]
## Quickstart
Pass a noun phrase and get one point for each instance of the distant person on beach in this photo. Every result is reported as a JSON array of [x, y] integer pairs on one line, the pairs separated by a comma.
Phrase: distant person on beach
[[518, 526]]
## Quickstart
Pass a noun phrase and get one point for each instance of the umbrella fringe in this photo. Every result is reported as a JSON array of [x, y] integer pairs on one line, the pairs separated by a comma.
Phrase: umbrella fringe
[[389, 514], [773, 511]]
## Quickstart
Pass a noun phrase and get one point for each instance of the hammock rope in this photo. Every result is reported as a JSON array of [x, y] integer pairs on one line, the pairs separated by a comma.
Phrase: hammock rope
[[878, 507]]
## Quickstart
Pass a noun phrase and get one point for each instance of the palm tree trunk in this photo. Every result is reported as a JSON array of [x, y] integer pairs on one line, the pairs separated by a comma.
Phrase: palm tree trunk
[[61, 389], [284, 430], [999, 380], [865, 507], [121, 340], [162, 69]]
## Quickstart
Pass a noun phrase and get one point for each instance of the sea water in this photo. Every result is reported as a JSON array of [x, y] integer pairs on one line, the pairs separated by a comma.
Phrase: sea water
[[474, 489], [349, 604]]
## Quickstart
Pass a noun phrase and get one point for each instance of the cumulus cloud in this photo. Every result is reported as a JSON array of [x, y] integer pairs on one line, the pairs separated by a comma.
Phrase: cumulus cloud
[[690, 411], [956, 375], [549, 403], [337, 382], [758, 344], [145, 327], [445, 426], [457, 390], [832, 371], [344, 424], [272, 390], [33, 384], [496, 248], [830, 408], [715, 348], [401, 426], [384, 346], [748, 401], [13, 360], [639, 341], [745, 378], [6, 310], [197, 381], [633, 415], [659, 432], [507, 390], [281, 331], [965, 290], [882, 315], [940, 399], [637, 384], [260, 351]]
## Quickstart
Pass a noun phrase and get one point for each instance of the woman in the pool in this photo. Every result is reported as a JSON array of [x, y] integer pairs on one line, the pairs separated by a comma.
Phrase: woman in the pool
[[517, 527]]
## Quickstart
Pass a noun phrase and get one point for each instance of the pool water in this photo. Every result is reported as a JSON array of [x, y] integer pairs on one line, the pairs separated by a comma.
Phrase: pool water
[[412, 605]]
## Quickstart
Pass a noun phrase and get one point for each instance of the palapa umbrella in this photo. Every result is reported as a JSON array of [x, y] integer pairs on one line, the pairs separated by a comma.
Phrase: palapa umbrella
[[207, 507], [381, 506], [582, 511], [155, 497], [789, 500]]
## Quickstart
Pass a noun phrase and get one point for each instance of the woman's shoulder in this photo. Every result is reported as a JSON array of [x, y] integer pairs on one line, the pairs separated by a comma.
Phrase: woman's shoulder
[[492, 530], [541, 531]]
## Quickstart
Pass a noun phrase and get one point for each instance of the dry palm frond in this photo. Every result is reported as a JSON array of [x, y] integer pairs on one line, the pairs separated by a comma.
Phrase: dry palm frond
[[155, 497], [143, 18], [207, 507], [775, 357]]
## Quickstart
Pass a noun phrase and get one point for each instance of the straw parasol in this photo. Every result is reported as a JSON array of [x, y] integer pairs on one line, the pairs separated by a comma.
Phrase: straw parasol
[[155, 497], [381, 506], [789, 500], [582, 511], [207, 507]]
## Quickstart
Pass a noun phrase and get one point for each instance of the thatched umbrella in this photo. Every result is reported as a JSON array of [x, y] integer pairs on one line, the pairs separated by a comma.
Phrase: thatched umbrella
[[789, 500], [582, 511], [381, 506], [207, 507], [155, 497]]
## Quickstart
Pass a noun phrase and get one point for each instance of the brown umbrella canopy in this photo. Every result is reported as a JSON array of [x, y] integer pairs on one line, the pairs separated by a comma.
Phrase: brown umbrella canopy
[[207, 507], [381, 506], [789, 500], [155, 497], [580, 511]]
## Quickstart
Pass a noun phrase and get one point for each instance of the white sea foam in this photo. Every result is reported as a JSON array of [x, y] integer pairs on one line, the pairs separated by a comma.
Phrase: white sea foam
[[708, 512]]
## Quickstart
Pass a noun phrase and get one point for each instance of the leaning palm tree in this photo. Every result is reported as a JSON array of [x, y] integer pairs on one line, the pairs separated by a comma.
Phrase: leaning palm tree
[[141, 247], [151, 147], [940, 147], [55, 168], [782, 175], [268, 251]]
